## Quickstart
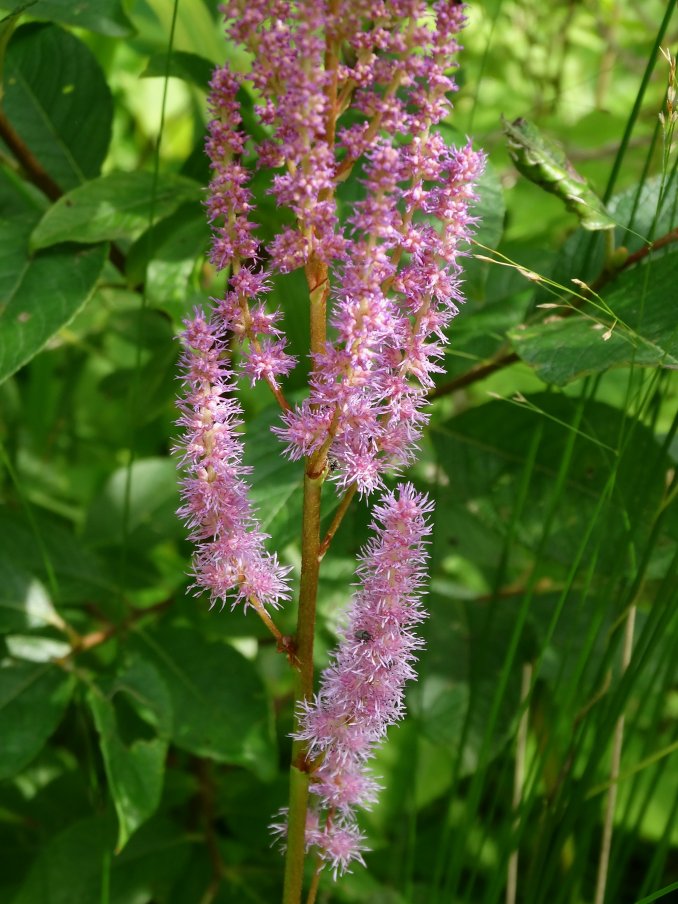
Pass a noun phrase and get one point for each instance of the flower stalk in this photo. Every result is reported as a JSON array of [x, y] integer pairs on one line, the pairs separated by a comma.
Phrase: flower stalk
[[383, 276]]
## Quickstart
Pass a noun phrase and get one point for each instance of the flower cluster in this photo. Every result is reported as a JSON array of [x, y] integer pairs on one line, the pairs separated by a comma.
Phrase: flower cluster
[[230, 556], [344, 101], [361, 692], [346, 85]]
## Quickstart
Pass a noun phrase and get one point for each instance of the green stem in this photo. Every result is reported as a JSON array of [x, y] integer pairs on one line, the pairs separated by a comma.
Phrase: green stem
[[615, 765], [299, 777]]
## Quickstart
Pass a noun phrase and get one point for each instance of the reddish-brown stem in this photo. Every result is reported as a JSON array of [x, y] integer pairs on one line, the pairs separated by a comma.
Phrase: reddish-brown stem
[[643, 252], [299, 777], [344, 506], [284, 644], [315, 882], [34, 171], [279, 397]]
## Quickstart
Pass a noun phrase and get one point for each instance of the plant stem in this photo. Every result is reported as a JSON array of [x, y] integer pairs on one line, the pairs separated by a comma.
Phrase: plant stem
[[318, 279], [299, 777], [284, 644], [315, 882], [344, 506], [519, 777], [606, 844]]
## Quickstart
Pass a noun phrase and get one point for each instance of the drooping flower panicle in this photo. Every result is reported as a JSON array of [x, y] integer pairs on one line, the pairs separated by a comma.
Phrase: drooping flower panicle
[[362, 690], [231, 559]]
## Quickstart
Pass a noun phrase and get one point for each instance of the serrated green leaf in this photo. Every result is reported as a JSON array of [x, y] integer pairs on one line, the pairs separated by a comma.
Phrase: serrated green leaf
[[33, 697], [135, 771], [639, 329], [141, 682], [115, 206], [39, 294], [52, 85], [218, 700], [105, 17]]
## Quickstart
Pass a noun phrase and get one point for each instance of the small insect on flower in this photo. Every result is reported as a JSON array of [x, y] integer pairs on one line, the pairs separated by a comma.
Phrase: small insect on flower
[[363, 635]]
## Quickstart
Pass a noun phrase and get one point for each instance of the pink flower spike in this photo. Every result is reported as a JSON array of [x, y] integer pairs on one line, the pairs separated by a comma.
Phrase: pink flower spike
[[230, 558], [362, 690]]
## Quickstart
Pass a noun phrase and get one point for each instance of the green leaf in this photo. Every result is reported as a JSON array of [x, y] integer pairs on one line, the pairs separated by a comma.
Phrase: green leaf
[[135, 771], [153, 501], [106, 17], [78, 573], [490, 209], [115, 206], [542, 160], [646, 212], [639, 328], [68, 869], [156, 376], [460, 669], [24, 601], [33, 697], [146, 690], [51, 289], [166, 256], [218, 700], [57, 100], [187, 66], [656, 895], [482, 451], [39, 294], [7, 26], [277, 483], [194, 30], [640, 217]]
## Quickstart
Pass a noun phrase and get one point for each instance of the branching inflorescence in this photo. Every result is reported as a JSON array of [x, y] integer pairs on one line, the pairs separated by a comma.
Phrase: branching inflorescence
[[347, 97]]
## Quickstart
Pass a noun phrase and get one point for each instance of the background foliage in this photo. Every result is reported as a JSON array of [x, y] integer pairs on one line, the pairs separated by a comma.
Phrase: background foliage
[[144, 739]]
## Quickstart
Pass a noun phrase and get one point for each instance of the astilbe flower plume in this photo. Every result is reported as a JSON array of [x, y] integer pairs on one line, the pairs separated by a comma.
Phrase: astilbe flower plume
[[362, 690], [339, 93], [339, 83], [230, 558]]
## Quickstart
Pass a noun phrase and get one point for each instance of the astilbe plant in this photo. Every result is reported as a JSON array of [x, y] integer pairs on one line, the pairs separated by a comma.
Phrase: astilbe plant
[[340, 85]]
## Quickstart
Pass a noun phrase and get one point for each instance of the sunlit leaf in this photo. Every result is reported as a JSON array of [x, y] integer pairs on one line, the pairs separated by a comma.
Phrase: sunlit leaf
[[52, 86]]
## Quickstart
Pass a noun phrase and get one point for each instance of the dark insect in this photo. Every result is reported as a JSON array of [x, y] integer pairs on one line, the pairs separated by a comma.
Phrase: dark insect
[[363, 635]]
